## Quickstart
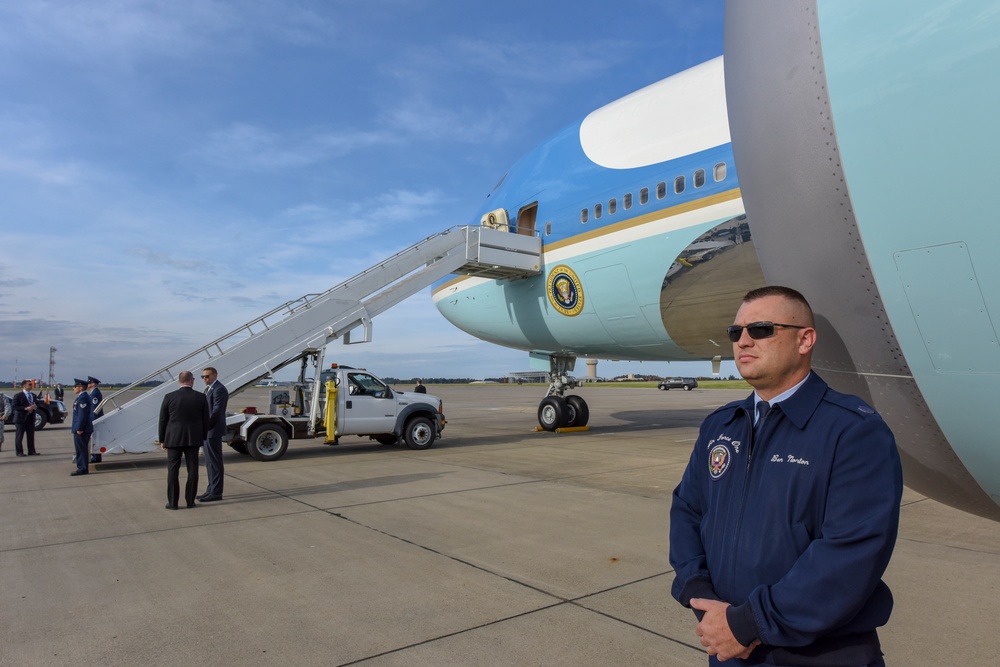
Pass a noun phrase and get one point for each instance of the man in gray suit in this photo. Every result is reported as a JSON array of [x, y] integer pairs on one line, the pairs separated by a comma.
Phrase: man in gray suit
[[183, 427], [218, 399]]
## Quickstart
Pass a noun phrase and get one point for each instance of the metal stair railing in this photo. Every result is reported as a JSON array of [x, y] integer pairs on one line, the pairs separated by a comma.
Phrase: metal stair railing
[[277, 338]]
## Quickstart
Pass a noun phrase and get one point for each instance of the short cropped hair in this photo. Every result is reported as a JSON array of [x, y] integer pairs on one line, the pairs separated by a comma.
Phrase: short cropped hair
[[185, 377], [784, 292], [210, 370]]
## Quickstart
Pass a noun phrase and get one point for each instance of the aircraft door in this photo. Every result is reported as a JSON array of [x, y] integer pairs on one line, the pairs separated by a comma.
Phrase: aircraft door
[[526, 219], [610, 291]]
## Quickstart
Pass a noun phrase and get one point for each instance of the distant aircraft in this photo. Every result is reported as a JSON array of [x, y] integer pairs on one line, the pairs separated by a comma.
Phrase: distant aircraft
[[862, 136]]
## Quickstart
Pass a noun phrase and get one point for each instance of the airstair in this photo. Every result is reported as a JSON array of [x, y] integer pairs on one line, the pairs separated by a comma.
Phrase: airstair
[[300, 327]]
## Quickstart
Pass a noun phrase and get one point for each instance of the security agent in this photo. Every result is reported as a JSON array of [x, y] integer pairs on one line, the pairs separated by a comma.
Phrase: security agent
[[786, 517], [83, 427], [95, 399], [218, 398]]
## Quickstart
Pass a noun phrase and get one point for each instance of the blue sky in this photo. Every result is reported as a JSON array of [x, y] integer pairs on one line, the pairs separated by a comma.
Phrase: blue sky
[[170, 170]]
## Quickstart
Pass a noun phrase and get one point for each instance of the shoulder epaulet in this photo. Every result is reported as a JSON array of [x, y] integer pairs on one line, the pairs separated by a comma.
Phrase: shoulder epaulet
[[851, 403], [727, 408]]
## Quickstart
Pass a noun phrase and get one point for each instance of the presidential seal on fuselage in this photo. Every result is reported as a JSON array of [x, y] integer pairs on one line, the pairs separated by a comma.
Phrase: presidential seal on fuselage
[[565, 291]]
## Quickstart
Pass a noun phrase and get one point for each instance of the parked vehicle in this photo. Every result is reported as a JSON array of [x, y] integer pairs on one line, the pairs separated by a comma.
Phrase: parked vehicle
[[51, 412], [687, 384], [365, 406]]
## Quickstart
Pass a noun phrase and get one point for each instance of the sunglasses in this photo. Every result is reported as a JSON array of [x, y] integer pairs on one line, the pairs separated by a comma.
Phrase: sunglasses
[[205, 377], [757, 330]]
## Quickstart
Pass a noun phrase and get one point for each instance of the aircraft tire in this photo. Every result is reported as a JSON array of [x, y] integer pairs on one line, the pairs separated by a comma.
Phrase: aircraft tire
[[267, 442], [552, 413], [578, 407], [419, 433]]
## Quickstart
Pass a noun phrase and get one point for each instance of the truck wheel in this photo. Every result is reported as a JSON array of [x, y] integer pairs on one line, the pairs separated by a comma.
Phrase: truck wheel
[[688, 387], [241, 447], [552, 412], [41, 419], [267, 442], [419, 433], [581, 413]]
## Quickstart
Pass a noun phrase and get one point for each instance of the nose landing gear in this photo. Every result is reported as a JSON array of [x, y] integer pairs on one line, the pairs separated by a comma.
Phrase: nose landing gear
[[557, 410]]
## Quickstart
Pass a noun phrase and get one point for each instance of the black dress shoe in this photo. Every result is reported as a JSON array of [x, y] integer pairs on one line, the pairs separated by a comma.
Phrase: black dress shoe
[[79, 472], [33, 454], [209, 499], [20, 454], [191, 506], [170, 507]]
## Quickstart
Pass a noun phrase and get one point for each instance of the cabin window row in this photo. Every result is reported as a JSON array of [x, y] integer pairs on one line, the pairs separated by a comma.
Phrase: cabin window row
[[718, 173]]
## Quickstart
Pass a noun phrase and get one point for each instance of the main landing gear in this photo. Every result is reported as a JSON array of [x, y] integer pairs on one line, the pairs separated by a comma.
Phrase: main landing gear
[[557, 410]]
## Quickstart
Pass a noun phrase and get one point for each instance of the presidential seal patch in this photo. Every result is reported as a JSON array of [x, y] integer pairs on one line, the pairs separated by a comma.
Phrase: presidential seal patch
[[718, 461], [565, 291]]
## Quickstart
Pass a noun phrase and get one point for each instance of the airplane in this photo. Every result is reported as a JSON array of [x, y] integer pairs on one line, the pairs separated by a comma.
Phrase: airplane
[[861, 137], [647, 250]]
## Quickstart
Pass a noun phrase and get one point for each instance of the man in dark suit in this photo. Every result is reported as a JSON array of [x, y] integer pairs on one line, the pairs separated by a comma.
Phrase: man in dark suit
[[183, 427], [218, 399], [83, 426], [24, 406]]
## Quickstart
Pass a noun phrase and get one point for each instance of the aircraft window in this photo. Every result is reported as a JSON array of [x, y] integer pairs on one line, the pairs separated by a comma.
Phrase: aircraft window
[[661, 190], [643, 195], [584, 216], [627, 201], [548, 228], [699, 178], [720, 172], [598, 209], [679, 184], [612, 206]]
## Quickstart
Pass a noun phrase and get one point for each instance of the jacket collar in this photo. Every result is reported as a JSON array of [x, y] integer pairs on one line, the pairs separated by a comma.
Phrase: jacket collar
[[798, 408]]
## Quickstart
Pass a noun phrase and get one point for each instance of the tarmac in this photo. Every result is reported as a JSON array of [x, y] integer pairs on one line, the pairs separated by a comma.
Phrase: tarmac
[[498, 546]]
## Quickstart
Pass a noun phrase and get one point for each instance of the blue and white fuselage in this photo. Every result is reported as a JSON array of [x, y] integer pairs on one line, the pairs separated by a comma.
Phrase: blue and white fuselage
[[621, 199]]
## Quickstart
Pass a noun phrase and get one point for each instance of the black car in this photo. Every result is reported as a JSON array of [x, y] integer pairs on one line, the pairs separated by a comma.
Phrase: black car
[[53, 412], [687, 384]]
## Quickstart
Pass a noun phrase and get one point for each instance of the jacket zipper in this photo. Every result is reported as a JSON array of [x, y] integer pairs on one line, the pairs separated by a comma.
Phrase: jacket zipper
[[743, 494]]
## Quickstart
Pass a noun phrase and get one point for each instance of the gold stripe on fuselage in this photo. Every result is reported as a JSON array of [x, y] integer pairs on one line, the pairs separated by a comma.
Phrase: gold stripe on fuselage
[[631, 223]]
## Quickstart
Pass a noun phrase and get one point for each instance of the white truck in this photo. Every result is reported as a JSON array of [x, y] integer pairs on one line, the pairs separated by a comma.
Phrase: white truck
[[339, 401]]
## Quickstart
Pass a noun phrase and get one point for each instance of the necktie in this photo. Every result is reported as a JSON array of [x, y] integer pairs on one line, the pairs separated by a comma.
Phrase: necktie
[[762, 408]]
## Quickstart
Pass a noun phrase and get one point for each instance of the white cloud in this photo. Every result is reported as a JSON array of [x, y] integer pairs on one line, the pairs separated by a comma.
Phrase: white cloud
[[128, 31], [247, 146]]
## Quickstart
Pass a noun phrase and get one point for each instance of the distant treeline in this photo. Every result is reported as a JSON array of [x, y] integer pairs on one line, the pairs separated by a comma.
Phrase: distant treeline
[[391, 380]]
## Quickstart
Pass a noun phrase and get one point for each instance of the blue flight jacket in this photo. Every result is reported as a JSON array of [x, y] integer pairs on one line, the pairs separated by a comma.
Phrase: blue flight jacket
[[96, 398], [83, 413], [795, 529]]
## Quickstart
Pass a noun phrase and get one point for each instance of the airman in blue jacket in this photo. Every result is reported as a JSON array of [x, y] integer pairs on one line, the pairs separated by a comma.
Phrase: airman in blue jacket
[[83, 427], [786, 517]]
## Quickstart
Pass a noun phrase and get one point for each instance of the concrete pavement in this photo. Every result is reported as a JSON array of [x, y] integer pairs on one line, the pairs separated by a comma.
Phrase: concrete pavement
[[499, 546]]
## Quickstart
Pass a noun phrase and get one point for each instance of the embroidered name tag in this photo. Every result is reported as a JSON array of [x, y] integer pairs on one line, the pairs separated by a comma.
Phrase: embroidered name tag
[[791, 458]]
